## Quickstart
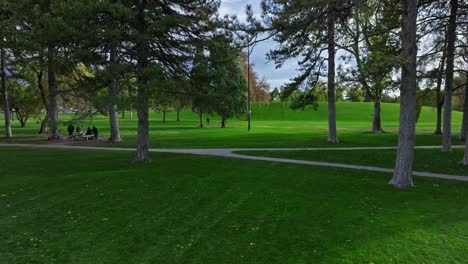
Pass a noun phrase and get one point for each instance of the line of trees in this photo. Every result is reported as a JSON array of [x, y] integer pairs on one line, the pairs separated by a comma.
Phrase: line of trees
[[382, 44], [136, 54]]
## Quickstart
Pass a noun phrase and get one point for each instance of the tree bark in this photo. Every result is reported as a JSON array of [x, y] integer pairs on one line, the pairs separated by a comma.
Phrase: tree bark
[[405, 153], [451, 38], [52, 76], [164, 117], [223, 122], [142, 154], [376, 117], [45, 120], [6, 105], [113, 91], [332, 134], [439, 97], [464, 129], [200, 115], [465, 156]]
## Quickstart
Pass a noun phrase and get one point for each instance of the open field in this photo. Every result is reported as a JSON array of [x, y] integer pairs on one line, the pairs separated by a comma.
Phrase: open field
[[274, 125], [88, 206]]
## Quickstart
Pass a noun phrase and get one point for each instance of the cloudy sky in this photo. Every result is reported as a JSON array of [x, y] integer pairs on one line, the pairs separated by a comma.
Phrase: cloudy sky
[[275, 77]]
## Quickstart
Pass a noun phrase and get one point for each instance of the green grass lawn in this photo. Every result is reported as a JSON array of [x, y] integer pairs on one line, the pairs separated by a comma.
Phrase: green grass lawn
[[65, 206], [432, 160], [274, 125]]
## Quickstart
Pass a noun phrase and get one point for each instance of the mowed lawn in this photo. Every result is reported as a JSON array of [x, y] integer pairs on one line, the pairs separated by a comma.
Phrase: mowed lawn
[[273, 125], [425, 160], [68, 206]]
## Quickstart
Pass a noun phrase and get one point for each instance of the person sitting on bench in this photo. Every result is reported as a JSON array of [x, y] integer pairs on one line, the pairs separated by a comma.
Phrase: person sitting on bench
[[95, 132]]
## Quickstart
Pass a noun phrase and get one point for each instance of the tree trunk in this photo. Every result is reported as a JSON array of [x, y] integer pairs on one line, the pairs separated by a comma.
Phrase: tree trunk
[[52, 75], [113, 91], [131, 115], [200, 115], [164, 117], [44, 122], [376, 117], [465, 156], [143, 133], [464, 129], [42, 92], [451, 38], [178, 116], [223, 122], [439, 98], [6, 106], [142, 154], [405, 153], [332, 136]]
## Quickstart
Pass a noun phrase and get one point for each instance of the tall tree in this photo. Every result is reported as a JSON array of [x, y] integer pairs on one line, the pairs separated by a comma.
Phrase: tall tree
[[307, 29], [369, 40], [164, 35], [5, 101], [405, 152], [229, 84], [6, 26], [451, 39]]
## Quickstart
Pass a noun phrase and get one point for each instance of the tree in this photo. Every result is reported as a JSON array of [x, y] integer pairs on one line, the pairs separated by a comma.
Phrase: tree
[[259, 88], [405, 152], [451, 39], [5, 24], [301, 99], [229, 84], [25, 101], [307, 29], [164, 36], [5, 101], [200, 79], [369, 40]]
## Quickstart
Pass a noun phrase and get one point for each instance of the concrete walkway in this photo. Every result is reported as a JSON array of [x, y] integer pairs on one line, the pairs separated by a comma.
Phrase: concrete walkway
[[229, 153]]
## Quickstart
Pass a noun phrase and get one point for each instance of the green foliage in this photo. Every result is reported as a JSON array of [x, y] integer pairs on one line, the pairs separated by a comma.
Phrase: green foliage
[[301, 99]]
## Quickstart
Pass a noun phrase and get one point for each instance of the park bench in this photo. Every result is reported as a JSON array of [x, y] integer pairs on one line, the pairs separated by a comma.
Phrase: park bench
[[83, 136]]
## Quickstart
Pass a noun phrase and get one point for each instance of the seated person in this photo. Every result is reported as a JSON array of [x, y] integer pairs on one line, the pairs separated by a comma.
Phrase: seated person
[[95, 132]]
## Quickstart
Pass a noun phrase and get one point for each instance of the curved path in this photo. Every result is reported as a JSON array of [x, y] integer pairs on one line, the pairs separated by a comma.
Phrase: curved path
[[229, 153]]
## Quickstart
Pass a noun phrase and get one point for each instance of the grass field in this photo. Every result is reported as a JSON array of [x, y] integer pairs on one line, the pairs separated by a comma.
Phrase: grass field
[[274, 125], [77, 206], [97, 207]]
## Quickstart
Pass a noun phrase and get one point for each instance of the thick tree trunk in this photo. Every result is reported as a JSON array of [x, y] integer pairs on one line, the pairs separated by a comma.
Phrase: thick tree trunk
[[405, 153], [451, 38], [178, 116], [200, 115], [6, 106], [223, 122], [376, 117], [464, 129], [143, 133], [113, 91], [142, 154], [332, 134], [52, 76]]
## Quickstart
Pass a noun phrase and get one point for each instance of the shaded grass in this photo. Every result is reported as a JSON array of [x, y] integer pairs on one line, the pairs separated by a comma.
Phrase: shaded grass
[[432, 160], [62, 206]]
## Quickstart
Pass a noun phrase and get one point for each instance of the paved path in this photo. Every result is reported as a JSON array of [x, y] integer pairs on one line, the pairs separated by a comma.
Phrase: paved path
[[229, 153]]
